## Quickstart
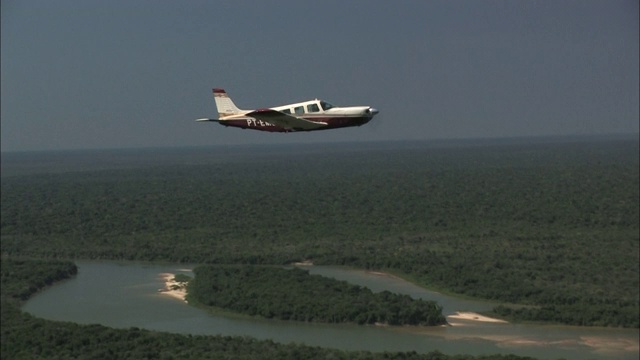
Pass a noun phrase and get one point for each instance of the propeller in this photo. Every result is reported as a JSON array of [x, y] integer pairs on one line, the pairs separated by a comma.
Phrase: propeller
[[374, 123]]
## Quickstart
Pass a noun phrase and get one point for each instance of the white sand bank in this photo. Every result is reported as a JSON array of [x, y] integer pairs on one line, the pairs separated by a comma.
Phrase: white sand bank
[[303, 263], [471, 316], [173, 288]]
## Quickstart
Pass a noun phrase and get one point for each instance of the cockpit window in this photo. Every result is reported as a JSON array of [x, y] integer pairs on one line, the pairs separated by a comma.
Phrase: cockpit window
[[299, 110], [325, 105]]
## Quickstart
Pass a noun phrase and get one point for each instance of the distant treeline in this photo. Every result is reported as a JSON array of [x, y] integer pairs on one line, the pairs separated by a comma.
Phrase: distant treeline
[[26, 337], [294, 294], [551, 226]]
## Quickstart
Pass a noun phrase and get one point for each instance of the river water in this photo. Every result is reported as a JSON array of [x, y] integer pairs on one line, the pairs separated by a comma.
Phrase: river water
[[123, 295]]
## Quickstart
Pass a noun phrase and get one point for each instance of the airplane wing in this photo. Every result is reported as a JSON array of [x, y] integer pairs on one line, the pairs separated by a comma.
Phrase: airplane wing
[[286, 121]]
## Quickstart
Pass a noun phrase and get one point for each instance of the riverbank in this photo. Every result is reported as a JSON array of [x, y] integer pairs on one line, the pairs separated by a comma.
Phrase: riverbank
[[605, 346], [172, 287], [122, 295], [472, 316], [178, 290], [451, 319]]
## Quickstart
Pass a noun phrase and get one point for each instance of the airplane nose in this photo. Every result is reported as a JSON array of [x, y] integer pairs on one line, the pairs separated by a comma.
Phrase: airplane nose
[[372, 111]]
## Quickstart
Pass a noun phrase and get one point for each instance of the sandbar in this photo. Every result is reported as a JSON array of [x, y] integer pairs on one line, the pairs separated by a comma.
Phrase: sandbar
[[471, 316], [303, 263], [173, 288]]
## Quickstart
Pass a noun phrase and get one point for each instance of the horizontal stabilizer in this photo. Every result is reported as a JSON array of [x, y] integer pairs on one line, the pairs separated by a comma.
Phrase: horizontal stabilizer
[[207, 119], [281, 119]]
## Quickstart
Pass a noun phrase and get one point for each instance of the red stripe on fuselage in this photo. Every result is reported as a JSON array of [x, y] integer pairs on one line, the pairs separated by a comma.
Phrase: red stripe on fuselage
[[332, 123]]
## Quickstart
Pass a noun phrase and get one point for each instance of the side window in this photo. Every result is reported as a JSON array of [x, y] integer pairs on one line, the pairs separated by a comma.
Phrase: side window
[[286, 111], [299, 110], [313, 108]]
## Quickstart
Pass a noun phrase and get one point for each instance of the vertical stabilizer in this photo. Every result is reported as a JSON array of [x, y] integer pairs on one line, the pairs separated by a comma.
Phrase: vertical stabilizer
[[224, 104]]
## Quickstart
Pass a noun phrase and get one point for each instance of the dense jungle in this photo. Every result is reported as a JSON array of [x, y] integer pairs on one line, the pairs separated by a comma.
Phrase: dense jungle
[[294, 294], [548, 227]]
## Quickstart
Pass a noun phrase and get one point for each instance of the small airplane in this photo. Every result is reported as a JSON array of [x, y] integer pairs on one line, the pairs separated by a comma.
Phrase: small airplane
[[304, 116]]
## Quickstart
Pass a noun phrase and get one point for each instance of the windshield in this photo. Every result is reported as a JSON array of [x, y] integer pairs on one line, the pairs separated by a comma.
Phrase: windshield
[[325, 105]]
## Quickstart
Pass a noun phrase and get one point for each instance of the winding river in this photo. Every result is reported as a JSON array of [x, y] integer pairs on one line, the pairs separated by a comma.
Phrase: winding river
[[123, 295]]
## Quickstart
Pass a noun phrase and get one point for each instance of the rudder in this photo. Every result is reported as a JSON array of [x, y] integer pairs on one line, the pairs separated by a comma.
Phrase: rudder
[[224, 103]]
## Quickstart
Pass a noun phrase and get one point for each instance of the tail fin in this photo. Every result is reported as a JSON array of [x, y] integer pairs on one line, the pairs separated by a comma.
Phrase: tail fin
[[224, 103]]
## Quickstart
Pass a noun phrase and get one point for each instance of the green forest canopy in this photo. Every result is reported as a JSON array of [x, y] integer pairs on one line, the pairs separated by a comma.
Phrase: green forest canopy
[[294, 294], [552, 225]]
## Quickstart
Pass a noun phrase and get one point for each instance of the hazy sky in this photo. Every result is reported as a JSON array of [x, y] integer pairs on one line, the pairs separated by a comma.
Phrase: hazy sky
[[111, 74]]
